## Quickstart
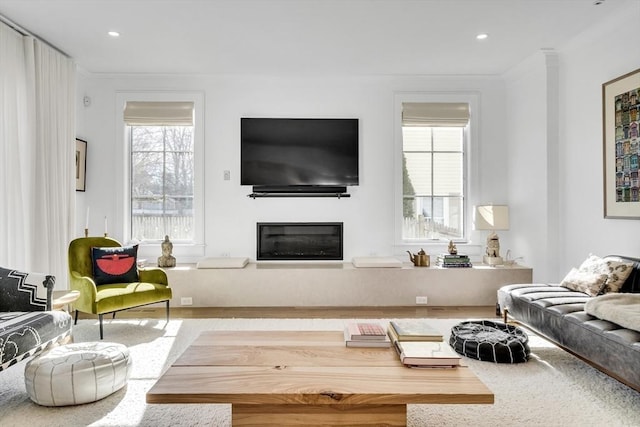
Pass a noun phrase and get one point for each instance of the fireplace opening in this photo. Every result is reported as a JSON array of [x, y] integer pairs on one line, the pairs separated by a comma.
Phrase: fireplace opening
[[288, 241]]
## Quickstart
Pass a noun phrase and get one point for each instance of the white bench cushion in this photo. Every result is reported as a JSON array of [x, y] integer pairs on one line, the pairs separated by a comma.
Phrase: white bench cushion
[[223, 262]]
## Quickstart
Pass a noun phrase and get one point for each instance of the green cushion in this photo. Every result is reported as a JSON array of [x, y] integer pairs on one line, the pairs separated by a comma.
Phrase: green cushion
[[119, 296]]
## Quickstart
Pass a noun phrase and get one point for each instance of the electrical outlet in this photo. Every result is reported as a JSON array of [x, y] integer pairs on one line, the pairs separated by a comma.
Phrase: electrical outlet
[[225, 254], [421, 300], [186, 301], [226, 175]]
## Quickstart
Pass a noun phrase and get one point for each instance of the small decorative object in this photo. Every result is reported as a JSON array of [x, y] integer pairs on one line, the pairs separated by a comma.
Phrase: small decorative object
[[421, 259], [452, 248], [492, 218], [166, 260], [493, 245]]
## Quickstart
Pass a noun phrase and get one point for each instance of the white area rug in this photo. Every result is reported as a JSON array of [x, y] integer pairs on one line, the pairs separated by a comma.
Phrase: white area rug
[[552, 389]]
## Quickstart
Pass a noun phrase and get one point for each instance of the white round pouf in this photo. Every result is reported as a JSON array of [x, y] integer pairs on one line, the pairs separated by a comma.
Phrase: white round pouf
[[77, 373]]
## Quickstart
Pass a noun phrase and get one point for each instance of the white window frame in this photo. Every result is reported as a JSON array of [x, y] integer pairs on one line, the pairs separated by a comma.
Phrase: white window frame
[[185, 252], [470, 175]]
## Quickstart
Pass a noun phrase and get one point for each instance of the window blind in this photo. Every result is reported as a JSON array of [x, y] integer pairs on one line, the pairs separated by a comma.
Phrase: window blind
[[447, 114], [144, 113]]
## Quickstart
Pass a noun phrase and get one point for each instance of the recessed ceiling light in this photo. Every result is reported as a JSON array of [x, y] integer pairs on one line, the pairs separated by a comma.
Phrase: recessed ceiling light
[[114, 33], [482, 36]]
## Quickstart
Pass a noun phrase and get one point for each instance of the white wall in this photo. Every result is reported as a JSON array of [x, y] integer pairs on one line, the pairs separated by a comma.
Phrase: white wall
[[527, 123], [230, 216], [546, 164], [596, 57], [556, 165]]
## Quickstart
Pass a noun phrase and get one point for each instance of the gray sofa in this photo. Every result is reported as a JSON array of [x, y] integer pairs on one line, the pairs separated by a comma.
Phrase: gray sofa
[[27, 324], [558, 314]]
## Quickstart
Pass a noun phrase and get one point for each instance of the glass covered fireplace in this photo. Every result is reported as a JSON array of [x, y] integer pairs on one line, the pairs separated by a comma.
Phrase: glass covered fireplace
[[281, 241]]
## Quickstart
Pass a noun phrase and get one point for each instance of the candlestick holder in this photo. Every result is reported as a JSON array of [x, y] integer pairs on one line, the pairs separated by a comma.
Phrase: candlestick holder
[[105, 234], [86, 232]]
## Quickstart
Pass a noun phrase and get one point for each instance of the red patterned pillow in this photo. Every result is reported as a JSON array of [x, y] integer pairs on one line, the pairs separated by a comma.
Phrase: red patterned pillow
[[115, 265]]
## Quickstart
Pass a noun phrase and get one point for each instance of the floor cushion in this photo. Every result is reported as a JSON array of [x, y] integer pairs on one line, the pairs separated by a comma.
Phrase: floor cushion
[[77, 373], [490, 341]]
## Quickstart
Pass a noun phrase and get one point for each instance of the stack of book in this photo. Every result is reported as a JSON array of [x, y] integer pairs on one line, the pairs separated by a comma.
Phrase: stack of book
[[448, 261], [419, 345], [360, 334], [427, 354], [412, 330]]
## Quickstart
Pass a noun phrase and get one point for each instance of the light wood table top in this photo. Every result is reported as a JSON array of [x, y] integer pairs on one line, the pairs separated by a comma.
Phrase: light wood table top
[[303, 377], [61, 298]]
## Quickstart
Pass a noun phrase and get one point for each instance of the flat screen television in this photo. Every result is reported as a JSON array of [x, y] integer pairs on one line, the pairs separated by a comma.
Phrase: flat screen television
[[298, 152]]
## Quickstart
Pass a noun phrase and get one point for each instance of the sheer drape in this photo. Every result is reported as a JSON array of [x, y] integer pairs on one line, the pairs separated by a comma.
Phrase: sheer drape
[[37, 155]]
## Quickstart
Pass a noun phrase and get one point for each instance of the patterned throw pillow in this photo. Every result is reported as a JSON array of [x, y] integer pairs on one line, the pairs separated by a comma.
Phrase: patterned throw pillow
[[617, 271], [115, 265], [591, 283], [21, 291]]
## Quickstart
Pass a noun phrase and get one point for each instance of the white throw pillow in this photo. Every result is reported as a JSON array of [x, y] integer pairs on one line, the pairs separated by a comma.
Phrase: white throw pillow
[[591, 283], [617, 271]]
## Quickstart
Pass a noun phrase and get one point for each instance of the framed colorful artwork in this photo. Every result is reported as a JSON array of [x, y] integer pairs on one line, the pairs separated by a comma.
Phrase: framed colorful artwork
[[621, 146], [81, 164]]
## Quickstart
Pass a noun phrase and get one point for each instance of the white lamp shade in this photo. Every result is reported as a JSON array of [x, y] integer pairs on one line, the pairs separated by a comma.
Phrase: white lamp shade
[[491, 217]]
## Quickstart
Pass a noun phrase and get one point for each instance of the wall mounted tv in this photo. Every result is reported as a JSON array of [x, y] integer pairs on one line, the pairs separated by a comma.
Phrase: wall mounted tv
[[298, 153]]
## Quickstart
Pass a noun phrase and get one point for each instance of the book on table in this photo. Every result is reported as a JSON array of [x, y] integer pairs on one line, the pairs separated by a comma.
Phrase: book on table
[[359, 334], [358, 331], [382, 343], [413, 330], [427, 354]]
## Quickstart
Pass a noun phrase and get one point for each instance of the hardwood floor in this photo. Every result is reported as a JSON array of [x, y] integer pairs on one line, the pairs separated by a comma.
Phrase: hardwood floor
[[453, 312]]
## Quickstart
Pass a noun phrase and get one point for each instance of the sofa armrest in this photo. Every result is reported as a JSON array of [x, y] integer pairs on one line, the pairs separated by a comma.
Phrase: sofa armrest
[[153, 275]]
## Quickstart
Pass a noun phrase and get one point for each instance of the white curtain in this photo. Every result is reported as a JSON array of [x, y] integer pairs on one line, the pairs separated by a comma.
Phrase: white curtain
[[37, 155]]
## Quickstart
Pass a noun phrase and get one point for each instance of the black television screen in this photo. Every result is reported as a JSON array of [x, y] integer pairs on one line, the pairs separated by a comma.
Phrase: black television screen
[[298, 152]]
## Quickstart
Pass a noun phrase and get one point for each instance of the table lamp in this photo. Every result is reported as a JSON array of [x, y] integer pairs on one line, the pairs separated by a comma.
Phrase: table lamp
[[491, 217]]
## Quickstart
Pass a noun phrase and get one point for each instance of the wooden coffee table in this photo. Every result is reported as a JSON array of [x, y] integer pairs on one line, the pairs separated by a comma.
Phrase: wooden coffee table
[[287, 378]]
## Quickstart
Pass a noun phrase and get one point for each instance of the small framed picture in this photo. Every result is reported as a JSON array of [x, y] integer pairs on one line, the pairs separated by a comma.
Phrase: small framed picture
[[621, 146], [81, 164]]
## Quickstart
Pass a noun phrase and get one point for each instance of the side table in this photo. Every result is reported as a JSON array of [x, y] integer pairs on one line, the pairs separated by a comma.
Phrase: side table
[[64, 297]]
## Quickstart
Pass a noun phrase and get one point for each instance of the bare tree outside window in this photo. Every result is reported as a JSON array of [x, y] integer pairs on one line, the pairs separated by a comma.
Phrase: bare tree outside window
[[162, 182]]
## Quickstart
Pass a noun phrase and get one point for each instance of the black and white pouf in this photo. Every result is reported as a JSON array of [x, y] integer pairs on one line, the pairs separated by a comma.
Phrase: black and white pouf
[[490, 341]]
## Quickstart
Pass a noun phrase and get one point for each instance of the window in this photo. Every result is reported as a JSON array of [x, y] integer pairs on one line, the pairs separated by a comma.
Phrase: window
[[162, 170], [433, 170]]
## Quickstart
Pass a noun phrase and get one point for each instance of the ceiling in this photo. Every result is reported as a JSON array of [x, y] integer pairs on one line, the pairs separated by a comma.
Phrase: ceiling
[[370, 37]]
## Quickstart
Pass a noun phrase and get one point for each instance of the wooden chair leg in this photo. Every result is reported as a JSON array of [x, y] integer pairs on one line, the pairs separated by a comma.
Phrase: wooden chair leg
[[76, 321], [167, 311], [100, 316]]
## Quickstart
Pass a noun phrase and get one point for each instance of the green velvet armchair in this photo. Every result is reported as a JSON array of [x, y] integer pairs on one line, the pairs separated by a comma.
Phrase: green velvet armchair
[[152, 285]]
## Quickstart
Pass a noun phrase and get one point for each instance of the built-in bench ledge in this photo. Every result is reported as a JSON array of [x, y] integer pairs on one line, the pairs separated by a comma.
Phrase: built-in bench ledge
[[358, 262], [376, 262], [222, 262], [338, 283]]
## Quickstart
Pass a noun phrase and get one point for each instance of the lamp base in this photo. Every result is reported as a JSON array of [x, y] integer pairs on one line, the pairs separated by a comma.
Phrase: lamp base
[[492, 260]]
